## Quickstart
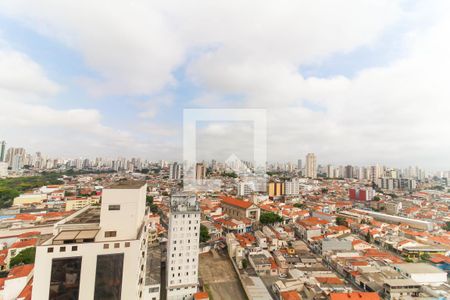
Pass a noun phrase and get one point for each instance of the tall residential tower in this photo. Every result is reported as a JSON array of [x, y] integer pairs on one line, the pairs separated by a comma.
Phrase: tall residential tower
[[311, 165], [182, 247]]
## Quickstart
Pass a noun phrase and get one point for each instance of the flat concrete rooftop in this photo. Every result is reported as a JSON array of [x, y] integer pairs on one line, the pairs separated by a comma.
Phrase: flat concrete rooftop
[[126, 185], [90, 216]]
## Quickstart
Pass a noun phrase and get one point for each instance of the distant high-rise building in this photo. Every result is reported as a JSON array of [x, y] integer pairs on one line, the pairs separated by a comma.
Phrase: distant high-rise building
[[175, 171], [311, 165], [200, 171], [330, 171], [348, 172], [15, 157], [375, 172], [182, 247], [2, 150]]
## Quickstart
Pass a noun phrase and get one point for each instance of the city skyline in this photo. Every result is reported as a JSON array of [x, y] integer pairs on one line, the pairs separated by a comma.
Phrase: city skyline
[[365, 83], [18, 161]]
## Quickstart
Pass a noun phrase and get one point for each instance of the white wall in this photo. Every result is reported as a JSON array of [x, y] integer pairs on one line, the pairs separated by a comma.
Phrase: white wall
[[89, 252], [128, 219]]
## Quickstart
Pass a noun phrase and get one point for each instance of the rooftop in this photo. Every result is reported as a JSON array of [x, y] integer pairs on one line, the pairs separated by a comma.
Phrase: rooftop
[[236, 202], [127, 185], [420, 268], [20, 271], [355, 296], [89, 216], [153, 271]]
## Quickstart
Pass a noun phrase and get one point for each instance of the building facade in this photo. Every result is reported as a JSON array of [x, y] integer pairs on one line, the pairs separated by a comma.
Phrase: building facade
[[183, 247], [97, 252], [311, 165]]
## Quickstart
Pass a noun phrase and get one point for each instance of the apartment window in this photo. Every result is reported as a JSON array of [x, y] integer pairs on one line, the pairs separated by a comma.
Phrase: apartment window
[[127, 244], [65, 278], [114, 207], [62, 249], [116, 245], [108, 277], [110, 233], [105, 246], [50, 250], [74, 248]]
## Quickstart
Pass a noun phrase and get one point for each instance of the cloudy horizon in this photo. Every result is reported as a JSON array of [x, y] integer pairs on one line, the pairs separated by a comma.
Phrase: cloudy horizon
[[356, 82]]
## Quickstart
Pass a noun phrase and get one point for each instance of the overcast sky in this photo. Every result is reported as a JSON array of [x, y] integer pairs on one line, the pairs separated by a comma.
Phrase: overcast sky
[[354, 81]]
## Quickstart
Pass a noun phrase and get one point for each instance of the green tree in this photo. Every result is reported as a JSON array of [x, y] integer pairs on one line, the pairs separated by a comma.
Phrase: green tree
[[340, 221], [154, 208], [149, 200], [24, 257], [376, 198], [244, 263], [368, 237], [425, 256], [204, 234], [270, 218], [300, 205], [447, 226]]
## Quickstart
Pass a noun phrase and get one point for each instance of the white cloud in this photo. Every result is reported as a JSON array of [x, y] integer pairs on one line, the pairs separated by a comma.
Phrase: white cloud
[[24, 88], [253, 51], [22, 78]]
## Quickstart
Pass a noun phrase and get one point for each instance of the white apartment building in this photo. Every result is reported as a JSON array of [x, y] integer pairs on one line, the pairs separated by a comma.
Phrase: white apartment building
[[311, 165], [183, 247], [75, 203], [245, 188], [97, 252], [3, 169], [292, 187]]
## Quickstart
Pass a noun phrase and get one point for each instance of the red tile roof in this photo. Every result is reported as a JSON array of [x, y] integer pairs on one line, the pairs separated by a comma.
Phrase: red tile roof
[[20, 271], [290, 295], [201, 296], [330, 280], [23, 244], [354, 296], [235, 202]]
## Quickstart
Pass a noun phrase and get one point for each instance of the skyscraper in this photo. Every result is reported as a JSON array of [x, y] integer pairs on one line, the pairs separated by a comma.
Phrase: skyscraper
[[200, 171], [182, 247], [175, 171], [15, 154], [2, 150], [311, 165], [348, 171]]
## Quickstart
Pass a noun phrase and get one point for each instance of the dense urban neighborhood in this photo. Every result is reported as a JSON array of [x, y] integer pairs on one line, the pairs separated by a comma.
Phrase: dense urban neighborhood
[[128, 228]]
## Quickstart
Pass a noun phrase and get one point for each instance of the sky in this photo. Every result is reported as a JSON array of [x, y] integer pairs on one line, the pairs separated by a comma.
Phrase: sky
[[354, 81]]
